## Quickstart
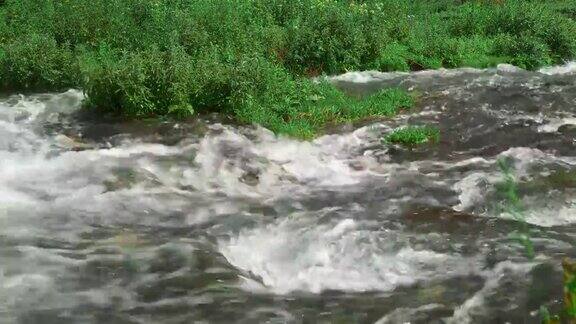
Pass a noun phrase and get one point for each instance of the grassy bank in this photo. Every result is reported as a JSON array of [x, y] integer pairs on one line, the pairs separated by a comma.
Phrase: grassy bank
[[253, 58]]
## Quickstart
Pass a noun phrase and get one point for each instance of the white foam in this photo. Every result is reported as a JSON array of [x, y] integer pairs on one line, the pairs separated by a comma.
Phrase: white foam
[[284, 166], [567, 68], [553, 125], [140, 148], [292, 255], [477, 304], [26, 109], [472, 190], [366, 76], [508, 68], [550, 212], [475, 187], [375, 76]]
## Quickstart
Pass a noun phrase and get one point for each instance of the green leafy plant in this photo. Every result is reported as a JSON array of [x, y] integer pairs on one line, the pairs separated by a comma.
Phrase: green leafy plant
[[413, 135], [569, 268], [512, 205]]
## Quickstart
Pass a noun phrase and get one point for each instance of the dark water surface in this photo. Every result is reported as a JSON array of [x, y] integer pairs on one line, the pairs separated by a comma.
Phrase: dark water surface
[[207, 222]]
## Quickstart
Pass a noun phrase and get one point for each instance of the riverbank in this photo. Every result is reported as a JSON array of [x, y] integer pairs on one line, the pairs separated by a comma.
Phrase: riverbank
[[254, 59]]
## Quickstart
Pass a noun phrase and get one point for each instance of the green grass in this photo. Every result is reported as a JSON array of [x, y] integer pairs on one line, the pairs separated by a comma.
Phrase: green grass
[[322, 105], [413, 135], [253, 58]]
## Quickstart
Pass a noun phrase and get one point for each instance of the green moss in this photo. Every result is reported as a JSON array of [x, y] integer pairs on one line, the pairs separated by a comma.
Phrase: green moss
[[413, 135]]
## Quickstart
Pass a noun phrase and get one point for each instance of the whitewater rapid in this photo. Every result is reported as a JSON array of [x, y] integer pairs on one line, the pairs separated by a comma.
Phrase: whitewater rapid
[[131, 222]]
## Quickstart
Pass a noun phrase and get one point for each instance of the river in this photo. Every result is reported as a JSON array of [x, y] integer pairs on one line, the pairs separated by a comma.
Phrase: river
[[205, 221]]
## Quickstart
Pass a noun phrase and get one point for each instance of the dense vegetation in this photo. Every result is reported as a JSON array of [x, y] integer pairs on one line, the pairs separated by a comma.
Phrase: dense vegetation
[[254, 58]]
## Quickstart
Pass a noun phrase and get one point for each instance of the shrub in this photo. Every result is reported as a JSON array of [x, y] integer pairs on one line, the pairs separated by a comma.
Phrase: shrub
[[526, 52], [528, 33], [141, 84], [36, 62], [146, 58]]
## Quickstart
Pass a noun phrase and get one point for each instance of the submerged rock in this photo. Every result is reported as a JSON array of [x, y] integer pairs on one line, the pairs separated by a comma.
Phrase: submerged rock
[[68, 143]]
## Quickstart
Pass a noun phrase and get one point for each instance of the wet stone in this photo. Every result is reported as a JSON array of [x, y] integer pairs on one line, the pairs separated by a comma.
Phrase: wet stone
[[568, 130], [250, 178]]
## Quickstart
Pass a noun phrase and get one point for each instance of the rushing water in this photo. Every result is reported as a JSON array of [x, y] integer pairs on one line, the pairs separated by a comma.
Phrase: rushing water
[[108, 222]]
